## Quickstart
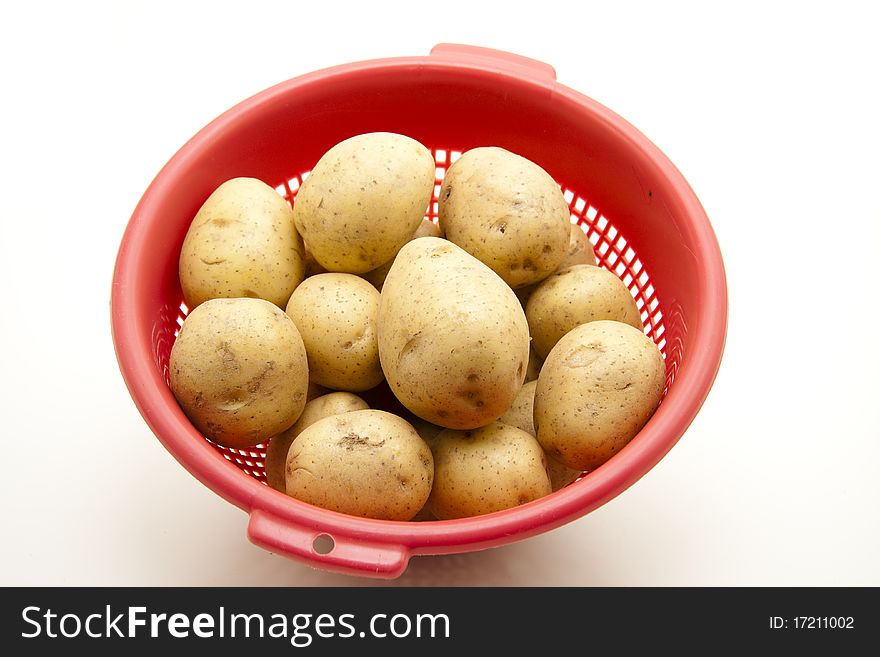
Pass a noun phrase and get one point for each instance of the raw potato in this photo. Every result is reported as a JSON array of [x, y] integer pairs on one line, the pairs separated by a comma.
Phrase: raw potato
[[521, 413], [336, 316], [575, 296], [522, 416], [560, 475], [598, 387], [507, 212], [453, 339], [314, 390], [312, 267], [334, 403], [424, 515], [363, 200], [238, 369], [426, 229], [534, 366], [427, 431], [580, 251], [365, 463], [489, 469], [523, 294], [242, 243]]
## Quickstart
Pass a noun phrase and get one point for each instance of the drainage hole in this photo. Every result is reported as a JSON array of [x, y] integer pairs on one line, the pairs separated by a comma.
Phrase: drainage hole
[[323, 544]]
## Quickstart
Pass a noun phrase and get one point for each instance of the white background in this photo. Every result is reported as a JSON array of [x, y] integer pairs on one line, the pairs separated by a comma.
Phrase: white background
[[771, 112]]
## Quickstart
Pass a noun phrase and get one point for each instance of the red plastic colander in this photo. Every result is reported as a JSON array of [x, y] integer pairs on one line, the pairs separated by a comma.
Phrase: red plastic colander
[[644, 220]]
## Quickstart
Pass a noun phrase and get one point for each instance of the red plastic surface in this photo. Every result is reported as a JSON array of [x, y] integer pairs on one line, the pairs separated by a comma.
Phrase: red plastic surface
[[643, 218]]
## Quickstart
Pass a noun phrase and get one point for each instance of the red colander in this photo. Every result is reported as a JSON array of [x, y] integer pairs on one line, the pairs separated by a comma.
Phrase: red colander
[[643, 219]]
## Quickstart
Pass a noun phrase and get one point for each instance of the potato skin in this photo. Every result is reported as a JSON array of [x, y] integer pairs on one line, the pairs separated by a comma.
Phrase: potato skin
[[489, 469], [522, 416], [314, 390], [424, 515], [366, 463], [427, 431], [312, 267], [363, 200], [336, 316], [453, 340], [575, 296], [599, 386], [521, 413], [560, 474], [534, 367], [238, 369], [328, 405], [523, 293], [507, 212], [580, 250], [242, 243], [377, 276], [427, 228]]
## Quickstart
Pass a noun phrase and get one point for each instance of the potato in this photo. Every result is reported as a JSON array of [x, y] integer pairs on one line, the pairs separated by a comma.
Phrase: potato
[[575, 296], [242, 243], [424, 515], [334, 403], [312, 267], [427, 431], [427, 228], [453, 340], [377, 276], [238, 369], [363, 200], [580, 250], [336, 316], [522, 416], [507, 212], [534, 367], [521, 413], [314, 390], [364, 463], [560, 475], [599, 386], [488, 469], [523, 294]]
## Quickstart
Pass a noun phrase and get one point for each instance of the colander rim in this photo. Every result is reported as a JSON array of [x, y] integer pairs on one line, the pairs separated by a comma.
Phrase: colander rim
[[161, 412]]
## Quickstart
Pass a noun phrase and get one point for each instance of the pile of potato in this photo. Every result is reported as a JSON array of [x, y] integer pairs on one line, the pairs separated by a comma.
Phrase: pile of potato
[[518, 363]]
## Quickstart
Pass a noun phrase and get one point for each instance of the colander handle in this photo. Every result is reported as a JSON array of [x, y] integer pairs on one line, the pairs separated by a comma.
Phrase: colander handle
[[343, 553], [498, 58]]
